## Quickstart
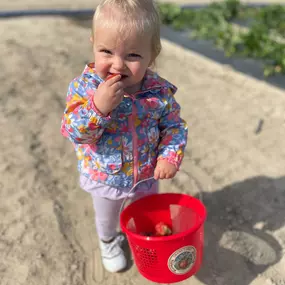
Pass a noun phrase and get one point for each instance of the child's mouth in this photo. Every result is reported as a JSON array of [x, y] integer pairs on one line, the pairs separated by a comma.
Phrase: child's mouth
[[123, 76]]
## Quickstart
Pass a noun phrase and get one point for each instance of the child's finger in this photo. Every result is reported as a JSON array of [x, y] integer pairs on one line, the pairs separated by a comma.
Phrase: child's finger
[[161, 174], [117, 86], [120, 93], [118, 90], [156, 174], [167, 176], [112, 79]]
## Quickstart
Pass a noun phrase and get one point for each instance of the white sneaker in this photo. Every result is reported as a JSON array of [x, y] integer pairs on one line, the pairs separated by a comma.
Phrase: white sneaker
[[113, 256]]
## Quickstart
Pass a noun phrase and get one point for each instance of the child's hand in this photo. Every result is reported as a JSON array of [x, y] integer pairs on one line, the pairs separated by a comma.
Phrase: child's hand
[[164, 170], [109, 95]]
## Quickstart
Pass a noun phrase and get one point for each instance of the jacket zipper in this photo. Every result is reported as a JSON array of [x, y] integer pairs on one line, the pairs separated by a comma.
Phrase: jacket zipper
[[135, 142], [132, 120]]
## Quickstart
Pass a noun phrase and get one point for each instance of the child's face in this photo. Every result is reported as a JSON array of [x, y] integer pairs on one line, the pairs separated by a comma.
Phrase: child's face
[[129, 57]]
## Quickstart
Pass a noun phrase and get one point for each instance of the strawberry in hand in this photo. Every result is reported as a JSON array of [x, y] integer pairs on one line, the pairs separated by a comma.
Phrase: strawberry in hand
[[111, 76], [109, 94]]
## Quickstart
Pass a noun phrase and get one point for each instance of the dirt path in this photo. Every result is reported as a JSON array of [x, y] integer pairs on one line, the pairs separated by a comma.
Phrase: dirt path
[[46, 227]]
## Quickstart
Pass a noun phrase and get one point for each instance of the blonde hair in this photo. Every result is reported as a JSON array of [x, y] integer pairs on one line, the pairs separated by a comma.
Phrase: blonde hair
[[128, 15]]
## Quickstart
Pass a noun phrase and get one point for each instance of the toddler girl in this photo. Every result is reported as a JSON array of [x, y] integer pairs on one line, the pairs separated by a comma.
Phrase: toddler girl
[[122, 118]]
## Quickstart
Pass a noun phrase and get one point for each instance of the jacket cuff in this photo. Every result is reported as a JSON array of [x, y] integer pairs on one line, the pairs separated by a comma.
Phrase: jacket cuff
[[95, 115], [172, 158]]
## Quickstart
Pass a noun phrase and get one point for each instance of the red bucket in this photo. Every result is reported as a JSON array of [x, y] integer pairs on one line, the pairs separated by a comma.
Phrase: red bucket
[[166, 259]]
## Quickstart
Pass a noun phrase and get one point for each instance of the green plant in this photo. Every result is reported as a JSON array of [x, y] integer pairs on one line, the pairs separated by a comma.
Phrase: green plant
[[169, 12], [273, 18], [215, 22]]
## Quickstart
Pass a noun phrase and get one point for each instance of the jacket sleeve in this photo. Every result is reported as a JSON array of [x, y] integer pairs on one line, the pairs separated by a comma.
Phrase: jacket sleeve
[[82, 123], [173, 133]]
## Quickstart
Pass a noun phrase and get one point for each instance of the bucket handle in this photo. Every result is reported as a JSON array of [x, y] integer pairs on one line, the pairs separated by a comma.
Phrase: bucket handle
[[198, 184], [131, 191]]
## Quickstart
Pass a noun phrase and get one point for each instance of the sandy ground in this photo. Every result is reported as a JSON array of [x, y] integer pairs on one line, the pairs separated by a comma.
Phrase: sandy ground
[[47, 235]]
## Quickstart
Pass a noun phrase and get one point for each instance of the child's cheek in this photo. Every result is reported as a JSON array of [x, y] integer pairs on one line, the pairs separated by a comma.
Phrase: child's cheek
[[101, 69], [137, 70]]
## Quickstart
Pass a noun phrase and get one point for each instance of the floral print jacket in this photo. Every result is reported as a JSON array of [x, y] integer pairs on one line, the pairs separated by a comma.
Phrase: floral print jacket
[[123, 148]]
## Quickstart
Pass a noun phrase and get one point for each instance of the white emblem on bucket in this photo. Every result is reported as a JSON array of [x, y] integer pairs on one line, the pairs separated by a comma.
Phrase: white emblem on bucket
[[182, 260]]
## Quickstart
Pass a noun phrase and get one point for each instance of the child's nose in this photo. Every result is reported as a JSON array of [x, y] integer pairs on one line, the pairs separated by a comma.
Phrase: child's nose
[[118, 64]]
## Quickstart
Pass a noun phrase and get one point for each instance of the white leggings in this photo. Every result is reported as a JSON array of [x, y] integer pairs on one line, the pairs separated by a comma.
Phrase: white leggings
[[106, 216], [107, 212]]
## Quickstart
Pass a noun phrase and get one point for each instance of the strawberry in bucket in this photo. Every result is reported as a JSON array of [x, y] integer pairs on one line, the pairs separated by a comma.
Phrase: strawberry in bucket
[[162, 229]]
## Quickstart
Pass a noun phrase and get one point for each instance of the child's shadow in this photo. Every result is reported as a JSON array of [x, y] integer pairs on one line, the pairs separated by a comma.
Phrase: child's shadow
[[238, 246]]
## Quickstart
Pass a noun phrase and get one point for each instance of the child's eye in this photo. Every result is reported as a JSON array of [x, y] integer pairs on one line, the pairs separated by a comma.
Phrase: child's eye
[[134, 55], [106, 51]]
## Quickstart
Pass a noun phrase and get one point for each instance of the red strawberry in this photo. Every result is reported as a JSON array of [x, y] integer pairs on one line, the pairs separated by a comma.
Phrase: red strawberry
[[161, 229], [183, 263], [112, 75]]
